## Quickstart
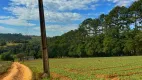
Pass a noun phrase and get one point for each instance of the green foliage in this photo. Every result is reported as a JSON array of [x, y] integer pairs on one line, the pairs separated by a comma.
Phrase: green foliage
[[115, 34], [129, 46], [80, 50], [16, 38], [33, 48], [20, 56], [7, 57], [0, 57], [108, 35], [2, 43], [138, 42]]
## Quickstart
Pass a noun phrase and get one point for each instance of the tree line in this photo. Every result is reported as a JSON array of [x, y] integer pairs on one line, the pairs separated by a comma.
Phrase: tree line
[[30, 47], [118, 33], [12, 44], [15, 38]]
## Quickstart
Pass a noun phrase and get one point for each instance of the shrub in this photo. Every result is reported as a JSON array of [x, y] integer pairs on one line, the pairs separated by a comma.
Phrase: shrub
[[20, 56], [7, 57], [2, 43]]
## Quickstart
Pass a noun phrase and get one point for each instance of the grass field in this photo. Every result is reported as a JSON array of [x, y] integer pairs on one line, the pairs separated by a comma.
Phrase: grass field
[[110, 68], [10, 44], [4, 65]]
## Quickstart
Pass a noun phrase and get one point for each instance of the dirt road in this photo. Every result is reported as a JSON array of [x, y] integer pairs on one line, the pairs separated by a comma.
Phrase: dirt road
[[18, 72]]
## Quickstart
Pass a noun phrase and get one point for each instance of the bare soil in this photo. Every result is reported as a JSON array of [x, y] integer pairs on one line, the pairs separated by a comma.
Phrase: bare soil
[[17, 72], [56, 76]]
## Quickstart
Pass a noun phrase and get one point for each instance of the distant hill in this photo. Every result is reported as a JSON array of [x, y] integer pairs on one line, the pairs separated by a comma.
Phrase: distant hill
[[17, 38]]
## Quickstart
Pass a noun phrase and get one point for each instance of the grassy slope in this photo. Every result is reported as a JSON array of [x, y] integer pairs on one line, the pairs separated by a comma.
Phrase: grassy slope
[[4, 65], [10, 44], [125, 68]]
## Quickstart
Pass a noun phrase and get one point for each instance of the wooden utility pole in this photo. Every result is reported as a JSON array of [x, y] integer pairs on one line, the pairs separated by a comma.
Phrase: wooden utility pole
[[43, 38]]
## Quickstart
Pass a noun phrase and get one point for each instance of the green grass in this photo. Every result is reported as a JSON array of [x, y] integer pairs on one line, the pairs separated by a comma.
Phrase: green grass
[[124, 68], [0, 57], [4, 65], [10, 44]]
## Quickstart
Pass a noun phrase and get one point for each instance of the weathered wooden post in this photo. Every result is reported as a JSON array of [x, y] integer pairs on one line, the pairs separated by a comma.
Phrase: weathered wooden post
[[43, 38]]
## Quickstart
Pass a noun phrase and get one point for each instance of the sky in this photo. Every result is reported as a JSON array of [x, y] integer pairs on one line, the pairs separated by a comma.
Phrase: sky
[[61, 16]]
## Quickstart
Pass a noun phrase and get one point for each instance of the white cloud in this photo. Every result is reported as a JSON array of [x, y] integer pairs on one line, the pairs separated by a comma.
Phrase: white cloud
[[55, 10], [6, 30], [61, 17], [69, 4], [4, 17], [26, 13], [122, 2], [27, 10], [56, 30], [15, 22], [60, 28], [61, 5]]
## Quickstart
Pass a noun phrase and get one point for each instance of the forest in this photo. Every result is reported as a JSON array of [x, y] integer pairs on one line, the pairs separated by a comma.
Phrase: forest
[[118, 33]]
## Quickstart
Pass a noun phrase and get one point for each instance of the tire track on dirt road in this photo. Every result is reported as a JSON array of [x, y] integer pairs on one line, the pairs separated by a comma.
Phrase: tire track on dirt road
[[18, 72]]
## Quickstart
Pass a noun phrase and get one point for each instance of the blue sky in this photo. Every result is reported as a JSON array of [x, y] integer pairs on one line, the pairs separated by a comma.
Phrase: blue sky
[[22, 16]]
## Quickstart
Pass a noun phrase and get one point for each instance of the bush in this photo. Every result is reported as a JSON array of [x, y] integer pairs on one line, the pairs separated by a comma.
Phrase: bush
[[2, 43], [7, 57], [20, 56]]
